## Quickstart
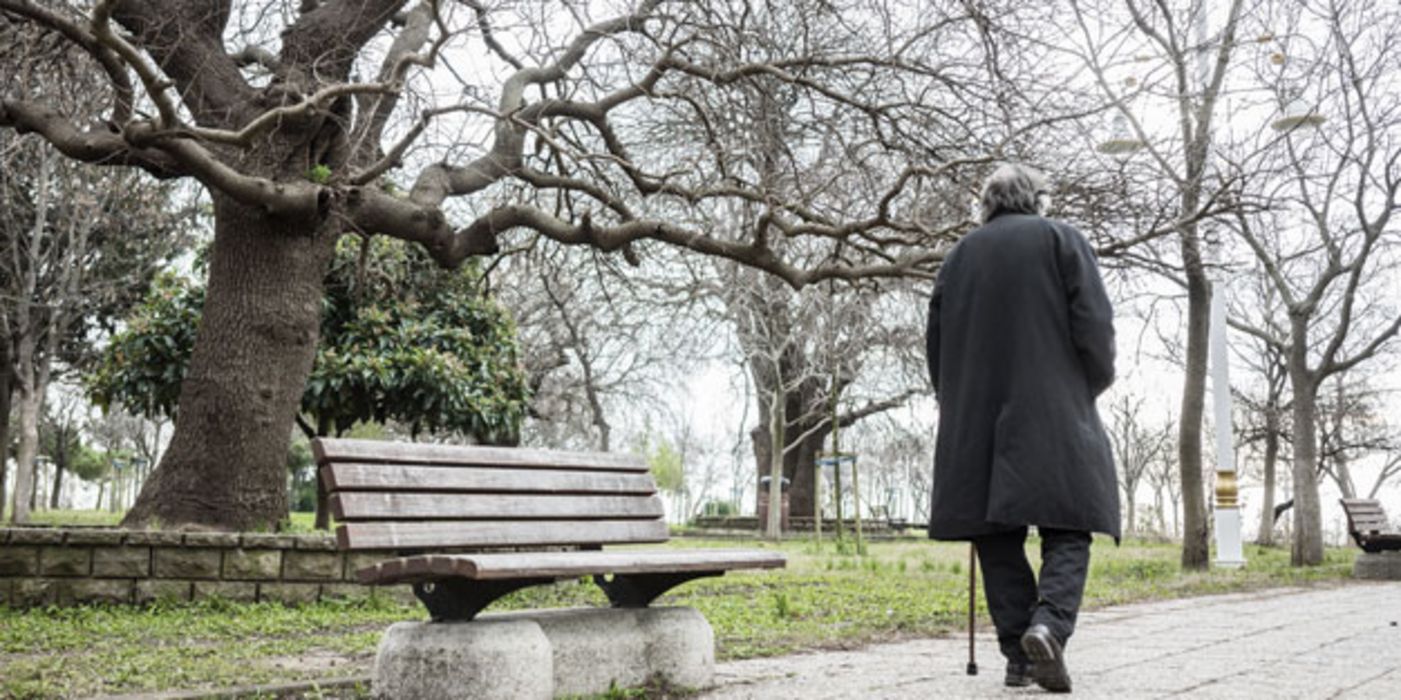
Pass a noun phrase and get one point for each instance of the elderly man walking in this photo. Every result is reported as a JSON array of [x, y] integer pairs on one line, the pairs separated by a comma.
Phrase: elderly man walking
[[1020, 342]]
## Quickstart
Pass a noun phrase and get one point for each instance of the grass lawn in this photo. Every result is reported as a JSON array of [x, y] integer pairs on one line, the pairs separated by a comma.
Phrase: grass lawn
[[823, 599]]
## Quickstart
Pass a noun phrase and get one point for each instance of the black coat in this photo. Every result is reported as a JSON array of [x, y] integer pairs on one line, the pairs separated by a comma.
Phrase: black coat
[[1020, 342]]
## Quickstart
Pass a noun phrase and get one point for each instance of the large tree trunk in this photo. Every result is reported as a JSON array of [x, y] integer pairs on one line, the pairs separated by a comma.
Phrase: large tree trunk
[[1195, 554], [226, 466], [58, 485], [1307, 549], [7, 392], [1266, 536], [800, 461], [30, 404], [773, 527], [1132, 502]]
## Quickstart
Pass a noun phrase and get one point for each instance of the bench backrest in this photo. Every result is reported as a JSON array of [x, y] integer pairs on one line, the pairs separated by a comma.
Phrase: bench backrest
[[1365, 515], [413, 497]]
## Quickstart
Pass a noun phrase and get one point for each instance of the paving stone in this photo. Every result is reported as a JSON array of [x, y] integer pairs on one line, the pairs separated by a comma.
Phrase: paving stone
[[152, 590], [19, 560], [121, 562], [255, 564], [1286, 643], [240, 591], [345, 591], [291, 593], [154, 537], [35, 535], [95, 536], [65, 561], [95, 590], [211, 539], [191, 563], [312, 566], [320, 543], [265, 541], [356, 561], [29, 592]]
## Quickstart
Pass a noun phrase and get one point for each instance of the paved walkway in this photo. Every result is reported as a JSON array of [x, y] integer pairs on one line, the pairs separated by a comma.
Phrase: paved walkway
[[1341, 642]]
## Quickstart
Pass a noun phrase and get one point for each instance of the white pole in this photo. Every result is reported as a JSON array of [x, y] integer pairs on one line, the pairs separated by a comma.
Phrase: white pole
[[1228, 526]]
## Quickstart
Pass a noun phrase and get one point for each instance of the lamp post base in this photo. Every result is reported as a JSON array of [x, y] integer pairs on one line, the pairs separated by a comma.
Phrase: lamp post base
[[1228, 542]]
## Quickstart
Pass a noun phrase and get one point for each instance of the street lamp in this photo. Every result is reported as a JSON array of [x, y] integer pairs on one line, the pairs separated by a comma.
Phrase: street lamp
[[1297, 114], [1123, 141]]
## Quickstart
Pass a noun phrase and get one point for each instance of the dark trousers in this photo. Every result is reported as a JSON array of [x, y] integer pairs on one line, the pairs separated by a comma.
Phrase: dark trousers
[[1015, 598]]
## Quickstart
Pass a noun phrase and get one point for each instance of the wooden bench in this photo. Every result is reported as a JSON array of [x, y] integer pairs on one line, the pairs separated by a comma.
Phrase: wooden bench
[[424, 501], [1368, 524]]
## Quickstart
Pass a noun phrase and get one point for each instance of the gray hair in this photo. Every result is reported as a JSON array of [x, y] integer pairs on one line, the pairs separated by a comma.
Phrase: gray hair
[[1013, 189]]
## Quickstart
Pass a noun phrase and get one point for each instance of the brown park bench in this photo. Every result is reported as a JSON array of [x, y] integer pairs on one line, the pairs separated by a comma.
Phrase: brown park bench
[[429, 502], [1367, 522]]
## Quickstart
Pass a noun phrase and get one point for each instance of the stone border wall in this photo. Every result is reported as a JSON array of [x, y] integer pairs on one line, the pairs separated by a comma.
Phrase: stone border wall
[[68, 566]]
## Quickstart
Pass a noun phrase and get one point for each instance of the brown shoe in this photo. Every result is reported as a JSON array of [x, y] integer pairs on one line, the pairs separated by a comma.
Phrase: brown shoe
[[1049, 658]]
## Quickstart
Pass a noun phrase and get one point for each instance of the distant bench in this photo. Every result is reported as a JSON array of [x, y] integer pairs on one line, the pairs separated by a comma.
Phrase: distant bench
[[1369, 527], [426, 500]]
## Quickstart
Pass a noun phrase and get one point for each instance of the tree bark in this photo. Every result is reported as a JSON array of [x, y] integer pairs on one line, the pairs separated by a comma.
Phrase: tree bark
[[1307, 548], [323, 504], [7, 389], [29, 407], [1129, 529], [58, 485], [1266, 536], [773, 528], [226, 465], [1195, 554]]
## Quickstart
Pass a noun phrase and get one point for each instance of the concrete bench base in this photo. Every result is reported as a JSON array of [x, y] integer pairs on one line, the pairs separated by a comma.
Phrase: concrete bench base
[[545, 653], [1378, 566]]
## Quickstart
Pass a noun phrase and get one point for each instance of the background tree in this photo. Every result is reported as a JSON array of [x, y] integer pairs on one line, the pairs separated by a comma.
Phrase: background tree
[[1188, 68], [1265, 425], [1329, 253], [1352, 426], [1137, 445], [601, 342]]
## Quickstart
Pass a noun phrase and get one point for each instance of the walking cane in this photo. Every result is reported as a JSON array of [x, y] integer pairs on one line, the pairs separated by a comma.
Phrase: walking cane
[[972, 593]]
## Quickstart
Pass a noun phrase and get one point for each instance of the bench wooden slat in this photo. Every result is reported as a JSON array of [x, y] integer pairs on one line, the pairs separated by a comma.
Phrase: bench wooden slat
[[396, 477], [1365, 515], [351, 506], [345, 450], [506, 566], [1369, 524], [517, 533]]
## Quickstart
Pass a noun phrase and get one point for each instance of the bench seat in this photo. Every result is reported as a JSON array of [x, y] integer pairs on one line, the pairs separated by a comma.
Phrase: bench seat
[[428, 503], [509, 565]]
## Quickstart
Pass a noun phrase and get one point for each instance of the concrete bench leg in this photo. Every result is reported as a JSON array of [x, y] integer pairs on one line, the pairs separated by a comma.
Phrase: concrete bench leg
[[1378, 566], [478, 660], [545, 653], [598, 647]]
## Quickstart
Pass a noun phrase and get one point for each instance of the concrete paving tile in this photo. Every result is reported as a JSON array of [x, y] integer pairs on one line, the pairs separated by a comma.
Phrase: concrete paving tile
[[1290, 643]]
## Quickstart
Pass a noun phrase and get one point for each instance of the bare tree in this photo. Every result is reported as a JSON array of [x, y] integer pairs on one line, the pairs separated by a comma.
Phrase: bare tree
[[369, 115], [1263, 398], [1329, 265], [601, 344], [1352, 425], [1166, 480], [1189, 70], [1136, 447]]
